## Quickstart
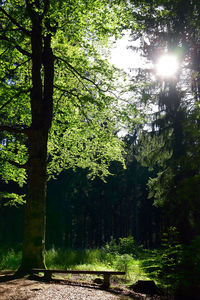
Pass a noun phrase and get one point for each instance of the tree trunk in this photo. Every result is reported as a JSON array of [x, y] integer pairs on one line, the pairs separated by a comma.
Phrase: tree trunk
[[42, 111], [35, 212]]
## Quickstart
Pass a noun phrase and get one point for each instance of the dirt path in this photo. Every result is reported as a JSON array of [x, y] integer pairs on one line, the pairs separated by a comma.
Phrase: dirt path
[[26, 289], [22, 289]]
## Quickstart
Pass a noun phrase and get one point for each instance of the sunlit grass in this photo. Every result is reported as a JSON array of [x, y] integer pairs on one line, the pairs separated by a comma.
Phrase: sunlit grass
[[90, 259], [96, 259]]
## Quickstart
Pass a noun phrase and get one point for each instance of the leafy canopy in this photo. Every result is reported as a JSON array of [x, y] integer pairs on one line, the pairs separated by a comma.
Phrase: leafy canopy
[[86, 111]]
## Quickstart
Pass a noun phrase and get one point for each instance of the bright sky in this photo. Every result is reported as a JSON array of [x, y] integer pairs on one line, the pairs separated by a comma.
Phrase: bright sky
[[167, 65], [124, 58]]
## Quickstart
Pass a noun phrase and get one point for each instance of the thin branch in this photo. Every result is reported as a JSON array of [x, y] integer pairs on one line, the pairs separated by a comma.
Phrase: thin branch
[[46, 8], [57, 103], [66, 91], [75, 74], [14, 96], [18, 165], [21, 50], [74, 71], [76, 96], [13, 129], [27, 32], [3, 30], [3, 52], [5, 104], [20, 64], [10, 72]]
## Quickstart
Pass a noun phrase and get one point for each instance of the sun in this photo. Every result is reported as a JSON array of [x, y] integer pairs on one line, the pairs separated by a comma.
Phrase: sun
[[167, 65]]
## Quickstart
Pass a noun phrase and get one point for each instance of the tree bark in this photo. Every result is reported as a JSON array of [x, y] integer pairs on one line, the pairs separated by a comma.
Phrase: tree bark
[[42, 111], [35, 212]]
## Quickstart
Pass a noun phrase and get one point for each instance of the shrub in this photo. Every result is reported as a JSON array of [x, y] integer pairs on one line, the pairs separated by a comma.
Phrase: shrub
[[112, 246], [123, 262], [125, 245], [179, 265], [188, 286]]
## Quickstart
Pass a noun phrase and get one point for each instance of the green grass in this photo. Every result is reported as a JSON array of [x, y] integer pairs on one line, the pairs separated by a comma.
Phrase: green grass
[[89, 259], [139, 263], [71, 258], [96, 259], [10, 258]]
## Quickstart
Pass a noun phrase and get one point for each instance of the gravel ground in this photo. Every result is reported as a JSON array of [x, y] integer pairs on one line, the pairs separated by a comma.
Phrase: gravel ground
[[25, 289], [59, 289]]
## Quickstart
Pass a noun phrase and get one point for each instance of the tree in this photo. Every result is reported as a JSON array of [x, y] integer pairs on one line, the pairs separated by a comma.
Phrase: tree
[[57, 105], [173, 144]]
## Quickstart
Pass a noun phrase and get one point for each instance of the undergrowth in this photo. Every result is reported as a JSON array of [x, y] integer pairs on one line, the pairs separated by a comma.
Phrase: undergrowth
[[122, 257], [174, 267]]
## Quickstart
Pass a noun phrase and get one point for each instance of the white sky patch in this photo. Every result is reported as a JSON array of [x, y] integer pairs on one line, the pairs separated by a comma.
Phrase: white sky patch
[[125, 58], [129, 59]]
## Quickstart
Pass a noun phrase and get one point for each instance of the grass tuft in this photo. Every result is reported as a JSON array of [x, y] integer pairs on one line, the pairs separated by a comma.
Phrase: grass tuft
[[10, 258]]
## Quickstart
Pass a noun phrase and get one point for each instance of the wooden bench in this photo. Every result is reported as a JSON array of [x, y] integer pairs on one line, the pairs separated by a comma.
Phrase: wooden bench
[[106, 274]]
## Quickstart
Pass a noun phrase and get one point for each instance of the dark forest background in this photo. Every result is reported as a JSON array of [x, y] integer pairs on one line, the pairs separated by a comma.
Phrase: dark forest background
[[85, 213]]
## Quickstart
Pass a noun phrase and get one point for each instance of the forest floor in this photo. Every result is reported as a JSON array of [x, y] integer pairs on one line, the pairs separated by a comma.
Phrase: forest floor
[[74, 289]]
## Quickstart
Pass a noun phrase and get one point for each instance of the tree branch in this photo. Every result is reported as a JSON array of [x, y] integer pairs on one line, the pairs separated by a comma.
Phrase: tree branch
[[46, 8], [3, 52], [21, 50], [74, 71], [71, 92], [13, 96], [12, 129], [64, 91], [10, 72], [18, 165], [5, 104], [15, 22]]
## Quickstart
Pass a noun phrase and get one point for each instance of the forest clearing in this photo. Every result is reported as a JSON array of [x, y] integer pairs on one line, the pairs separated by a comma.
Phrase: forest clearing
[[140, 266]]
